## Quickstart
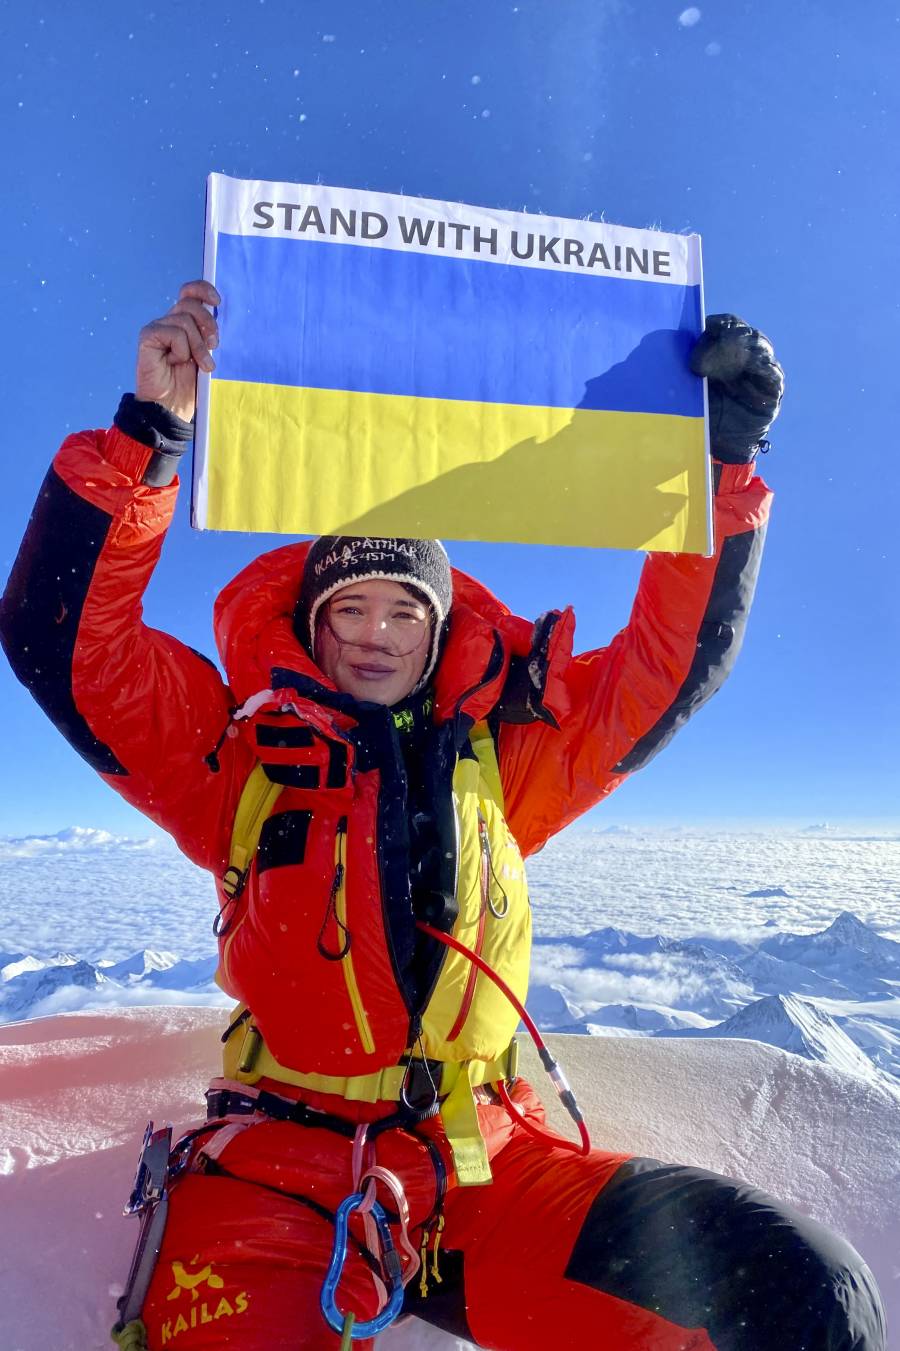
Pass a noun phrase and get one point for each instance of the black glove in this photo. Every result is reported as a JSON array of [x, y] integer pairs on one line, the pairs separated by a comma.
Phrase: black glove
[[745, 386]]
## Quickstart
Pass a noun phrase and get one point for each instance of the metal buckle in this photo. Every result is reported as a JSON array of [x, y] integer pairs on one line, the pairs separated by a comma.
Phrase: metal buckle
[[233, 881], [152, 1170], [421, 1085]]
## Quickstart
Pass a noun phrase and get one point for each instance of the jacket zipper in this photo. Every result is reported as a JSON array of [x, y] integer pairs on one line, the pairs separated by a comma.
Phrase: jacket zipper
[[472, 977], [495, 661], [340, 910]]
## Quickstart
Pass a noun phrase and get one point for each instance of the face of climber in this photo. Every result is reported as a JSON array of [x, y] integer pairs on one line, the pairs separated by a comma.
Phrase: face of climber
[[373, 639]]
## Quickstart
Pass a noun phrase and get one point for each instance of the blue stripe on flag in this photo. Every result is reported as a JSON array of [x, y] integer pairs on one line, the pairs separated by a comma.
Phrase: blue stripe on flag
[[349, 316]]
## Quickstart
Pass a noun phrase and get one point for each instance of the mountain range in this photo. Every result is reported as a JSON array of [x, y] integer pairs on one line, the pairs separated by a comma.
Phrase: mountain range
[[831, 996]]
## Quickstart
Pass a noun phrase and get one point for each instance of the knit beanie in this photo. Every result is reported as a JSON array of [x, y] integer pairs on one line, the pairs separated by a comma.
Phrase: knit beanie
[[334, 561]]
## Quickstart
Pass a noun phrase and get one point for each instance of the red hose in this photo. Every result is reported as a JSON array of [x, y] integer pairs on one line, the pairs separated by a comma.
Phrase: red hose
[[583, 1146]]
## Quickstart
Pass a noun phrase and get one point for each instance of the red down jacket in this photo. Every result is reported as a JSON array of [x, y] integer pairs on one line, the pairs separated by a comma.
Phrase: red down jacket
[[150, 714]]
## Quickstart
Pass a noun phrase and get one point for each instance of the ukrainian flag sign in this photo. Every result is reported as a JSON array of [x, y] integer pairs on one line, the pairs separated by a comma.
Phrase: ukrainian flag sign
[[394, 366]]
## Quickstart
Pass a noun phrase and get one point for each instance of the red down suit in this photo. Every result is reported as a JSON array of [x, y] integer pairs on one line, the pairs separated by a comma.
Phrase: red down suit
[[586, 1241]]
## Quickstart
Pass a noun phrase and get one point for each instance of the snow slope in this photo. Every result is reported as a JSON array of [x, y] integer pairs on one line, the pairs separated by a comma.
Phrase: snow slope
[[75, 1092], [795, 1025]]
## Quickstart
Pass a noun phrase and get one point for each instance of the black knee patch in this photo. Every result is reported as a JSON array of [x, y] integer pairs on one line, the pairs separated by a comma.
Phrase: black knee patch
[[445, 1305], [704, 1251]]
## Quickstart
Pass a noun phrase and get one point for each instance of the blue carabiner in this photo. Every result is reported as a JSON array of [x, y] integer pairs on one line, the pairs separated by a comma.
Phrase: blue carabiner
[[332, 1314]]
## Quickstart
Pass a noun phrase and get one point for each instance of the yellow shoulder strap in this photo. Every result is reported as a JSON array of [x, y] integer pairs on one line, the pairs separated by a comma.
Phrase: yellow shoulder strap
[[484, 748], [257, 799]]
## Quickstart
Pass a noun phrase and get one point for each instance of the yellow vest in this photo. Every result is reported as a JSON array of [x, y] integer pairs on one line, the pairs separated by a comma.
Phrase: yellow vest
[[466, 1017]]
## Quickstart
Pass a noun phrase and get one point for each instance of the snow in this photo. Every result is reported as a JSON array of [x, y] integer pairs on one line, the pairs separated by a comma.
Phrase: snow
[[670, 1058], [76, 1091]]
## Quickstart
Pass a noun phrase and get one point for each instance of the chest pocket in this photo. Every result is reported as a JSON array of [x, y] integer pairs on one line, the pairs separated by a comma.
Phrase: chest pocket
[[285, 928], [293, 756]]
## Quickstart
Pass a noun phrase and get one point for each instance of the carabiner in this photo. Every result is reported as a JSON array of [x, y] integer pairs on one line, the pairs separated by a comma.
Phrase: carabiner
[[332, 1315]]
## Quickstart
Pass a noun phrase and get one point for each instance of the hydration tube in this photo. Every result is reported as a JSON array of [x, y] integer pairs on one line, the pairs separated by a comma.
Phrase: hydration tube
[[560, 1082]]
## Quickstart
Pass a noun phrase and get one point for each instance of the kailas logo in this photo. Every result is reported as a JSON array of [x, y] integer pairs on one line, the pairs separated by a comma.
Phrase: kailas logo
[[185, 1281], [190, 1288]]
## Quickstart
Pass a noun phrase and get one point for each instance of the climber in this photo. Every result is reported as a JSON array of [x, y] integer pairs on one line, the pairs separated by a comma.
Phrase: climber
[[391, 743]]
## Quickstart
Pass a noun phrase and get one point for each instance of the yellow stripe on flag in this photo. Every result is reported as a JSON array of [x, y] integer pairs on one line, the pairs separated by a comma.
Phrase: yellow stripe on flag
[[305, 459]]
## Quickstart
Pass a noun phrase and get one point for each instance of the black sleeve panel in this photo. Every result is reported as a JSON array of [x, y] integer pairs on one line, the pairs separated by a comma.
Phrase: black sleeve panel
[[719, 640], [40, 611]]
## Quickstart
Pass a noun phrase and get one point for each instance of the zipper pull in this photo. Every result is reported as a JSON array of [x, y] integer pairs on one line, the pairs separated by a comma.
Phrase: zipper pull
[[499, 909], [423, 1263], [439, 1229], [331, 909], [484, 846]]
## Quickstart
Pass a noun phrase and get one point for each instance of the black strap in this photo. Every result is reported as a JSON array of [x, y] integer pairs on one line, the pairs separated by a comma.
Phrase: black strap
[[212, 1168], [228, 1102]]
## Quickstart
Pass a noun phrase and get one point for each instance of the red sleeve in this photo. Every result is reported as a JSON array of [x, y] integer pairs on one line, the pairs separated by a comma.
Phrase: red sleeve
[[143, 709], [608, 712]]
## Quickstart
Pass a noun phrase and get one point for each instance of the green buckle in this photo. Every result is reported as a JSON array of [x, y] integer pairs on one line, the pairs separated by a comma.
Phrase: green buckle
[[250, 1049]]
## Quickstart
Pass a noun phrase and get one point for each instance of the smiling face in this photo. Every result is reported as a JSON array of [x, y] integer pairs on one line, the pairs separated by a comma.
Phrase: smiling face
[[373, 640]]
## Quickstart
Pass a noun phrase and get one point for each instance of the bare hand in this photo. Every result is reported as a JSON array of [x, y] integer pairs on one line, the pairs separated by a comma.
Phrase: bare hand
[[171, 349]]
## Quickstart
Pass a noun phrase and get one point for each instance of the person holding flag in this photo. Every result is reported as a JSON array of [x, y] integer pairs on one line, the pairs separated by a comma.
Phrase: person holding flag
[[391, 744]]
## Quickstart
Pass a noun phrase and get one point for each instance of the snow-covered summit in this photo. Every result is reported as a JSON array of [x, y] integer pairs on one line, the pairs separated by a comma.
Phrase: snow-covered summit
[[848, 951], [78, 839], [849, 931], [796, 1025], [140, 964], [21, 994]]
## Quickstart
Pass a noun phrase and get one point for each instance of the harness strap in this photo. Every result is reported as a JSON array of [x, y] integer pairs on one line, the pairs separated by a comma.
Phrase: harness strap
[[225, 1098], [247, 1059], [258, 797], [486, 752], [459, 1114], [214, 1168]]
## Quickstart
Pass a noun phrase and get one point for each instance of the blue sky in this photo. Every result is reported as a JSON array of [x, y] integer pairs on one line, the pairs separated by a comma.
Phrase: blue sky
[[770, 129]]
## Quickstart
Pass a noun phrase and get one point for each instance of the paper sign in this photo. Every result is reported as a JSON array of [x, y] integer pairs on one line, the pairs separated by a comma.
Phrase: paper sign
[[393, 366]]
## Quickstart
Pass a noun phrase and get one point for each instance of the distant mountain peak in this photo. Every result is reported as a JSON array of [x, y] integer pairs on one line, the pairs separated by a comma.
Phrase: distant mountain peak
[[849, 928], [801, 1027], [77, 839], [848, 951], [141, 964]]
